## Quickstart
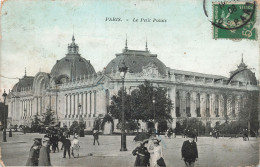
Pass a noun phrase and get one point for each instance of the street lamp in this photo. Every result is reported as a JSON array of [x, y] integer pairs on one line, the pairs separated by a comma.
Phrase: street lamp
[[154, 111], [4, 132], [123, 71]]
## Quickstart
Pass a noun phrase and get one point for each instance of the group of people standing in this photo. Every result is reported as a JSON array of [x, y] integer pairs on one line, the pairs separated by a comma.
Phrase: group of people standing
[[150, 152], [39, 154]]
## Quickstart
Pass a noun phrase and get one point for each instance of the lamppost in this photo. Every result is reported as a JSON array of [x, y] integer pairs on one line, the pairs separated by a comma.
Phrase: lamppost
[[123, 71], [154, 112], [4, 130]]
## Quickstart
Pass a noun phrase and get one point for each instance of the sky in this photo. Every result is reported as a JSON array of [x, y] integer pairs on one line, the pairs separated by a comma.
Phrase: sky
[[35, 34]]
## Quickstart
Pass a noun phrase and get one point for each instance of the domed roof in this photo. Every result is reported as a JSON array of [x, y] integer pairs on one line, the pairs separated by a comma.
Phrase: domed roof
[[25, 83], [135, 60], [72, 66], [243, 74]]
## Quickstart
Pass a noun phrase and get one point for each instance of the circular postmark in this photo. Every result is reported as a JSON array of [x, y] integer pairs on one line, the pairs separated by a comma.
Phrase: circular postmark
[[231, 15]]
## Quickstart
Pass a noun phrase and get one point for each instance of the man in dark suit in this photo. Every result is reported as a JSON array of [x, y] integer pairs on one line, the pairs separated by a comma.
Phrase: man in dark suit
[[66, 144], [189, 151]]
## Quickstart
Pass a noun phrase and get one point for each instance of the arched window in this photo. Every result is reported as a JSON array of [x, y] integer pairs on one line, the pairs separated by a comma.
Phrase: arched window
[[233, 104], [188, 105], [177, 99], [198, 105]]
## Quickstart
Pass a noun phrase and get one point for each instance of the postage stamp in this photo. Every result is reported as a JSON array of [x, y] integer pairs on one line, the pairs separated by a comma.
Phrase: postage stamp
[[234, 20]]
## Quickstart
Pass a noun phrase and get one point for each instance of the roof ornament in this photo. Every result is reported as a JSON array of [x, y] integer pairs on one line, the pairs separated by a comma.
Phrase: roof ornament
[[73, 39], [242, 65], [25, 72], [126, 43], [146, 48]]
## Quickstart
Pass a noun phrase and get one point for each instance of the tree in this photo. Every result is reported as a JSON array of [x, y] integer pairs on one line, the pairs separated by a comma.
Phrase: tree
[[115, 108], [36, 124], [248, 116], [151, 103], [48, 118], [139, 105]]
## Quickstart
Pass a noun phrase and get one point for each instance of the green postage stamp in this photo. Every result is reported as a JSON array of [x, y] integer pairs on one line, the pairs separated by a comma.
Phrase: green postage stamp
[[234, 20]]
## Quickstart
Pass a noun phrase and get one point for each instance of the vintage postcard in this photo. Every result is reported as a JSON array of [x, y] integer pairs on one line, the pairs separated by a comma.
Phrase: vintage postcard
[[129, 83]]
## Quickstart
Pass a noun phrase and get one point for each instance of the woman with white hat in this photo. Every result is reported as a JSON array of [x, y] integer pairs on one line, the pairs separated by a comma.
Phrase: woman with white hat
[[75, 146]]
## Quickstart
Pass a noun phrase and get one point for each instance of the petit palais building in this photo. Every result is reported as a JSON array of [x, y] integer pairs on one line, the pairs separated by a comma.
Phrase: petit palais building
[[74, 91]]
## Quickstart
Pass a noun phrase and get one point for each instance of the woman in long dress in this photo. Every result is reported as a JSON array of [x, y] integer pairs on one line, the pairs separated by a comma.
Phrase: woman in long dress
[[156, 153], [75, 146], [34, 154], [142, 155]]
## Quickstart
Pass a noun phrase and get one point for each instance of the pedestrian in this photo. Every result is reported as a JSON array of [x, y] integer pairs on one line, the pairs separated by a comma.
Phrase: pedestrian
[[196, 134], [75, 147], [55, 142], [95, 134], [62, 138], [156, 154], [33, 159], [10, 133], [44, 156], [66, 144], [189, 151], [245, 134], [142, 155]]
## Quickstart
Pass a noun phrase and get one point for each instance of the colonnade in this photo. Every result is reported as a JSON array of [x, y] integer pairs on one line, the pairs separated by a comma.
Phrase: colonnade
[[83, 104], [26, 106], [194, 104]]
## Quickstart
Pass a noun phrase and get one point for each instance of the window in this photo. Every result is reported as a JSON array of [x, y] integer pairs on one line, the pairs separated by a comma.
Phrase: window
[[177, 99], [198, 105], [188, 105]]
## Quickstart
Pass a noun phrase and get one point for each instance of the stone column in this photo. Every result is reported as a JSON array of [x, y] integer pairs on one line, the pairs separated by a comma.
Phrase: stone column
[[22, 108], [37, 105], [193, 104], [203, 98], [212, 106], [95, 104], [86, 104], [77, 104], [31, 107], [182, 103], [90, 103], [81, 102], [69, 105], [66, 105], [73, 105]]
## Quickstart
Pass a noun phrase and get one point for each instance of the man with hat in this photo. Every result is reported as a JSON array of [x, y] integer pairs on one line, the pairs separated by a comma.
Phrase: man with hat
[[189, 150], [66, 144], [44, 158]]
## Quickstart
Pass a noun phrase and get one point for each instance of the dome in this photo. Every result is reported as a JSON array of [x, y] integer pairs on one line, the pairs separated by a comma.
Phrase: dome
[[243, 74], [135, 60], [25, 83], [71, 67]]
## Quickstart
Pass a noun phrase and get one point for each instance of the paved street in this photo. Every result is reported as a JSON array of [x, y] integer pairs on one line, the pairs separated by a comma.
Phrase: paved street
[[212, 152]]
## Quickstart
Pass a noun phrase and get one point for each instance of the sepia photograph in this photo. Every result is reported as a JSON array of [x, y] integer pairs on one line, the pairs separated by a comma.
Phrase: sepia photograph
[[117, 83]]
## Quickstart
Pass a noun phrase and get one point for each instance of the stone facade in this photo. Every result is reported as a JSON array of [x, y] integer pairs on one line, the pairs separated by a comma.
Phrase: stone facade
[[74, 91]]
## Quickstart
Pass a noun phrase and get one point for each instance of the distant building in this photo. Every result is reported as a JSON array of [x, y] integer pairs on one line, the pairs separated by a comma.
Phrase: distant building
[[74, 91]]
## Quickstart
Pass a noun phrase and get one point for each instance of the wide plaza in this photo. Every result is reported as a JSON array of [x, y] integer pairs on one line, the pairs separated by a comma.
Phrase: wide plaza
[[212, 152]]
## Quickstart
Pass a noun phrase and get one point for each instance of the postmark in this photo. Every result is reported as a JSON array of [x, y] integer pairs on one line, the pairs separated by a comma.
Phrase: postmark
[[234, 20]]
